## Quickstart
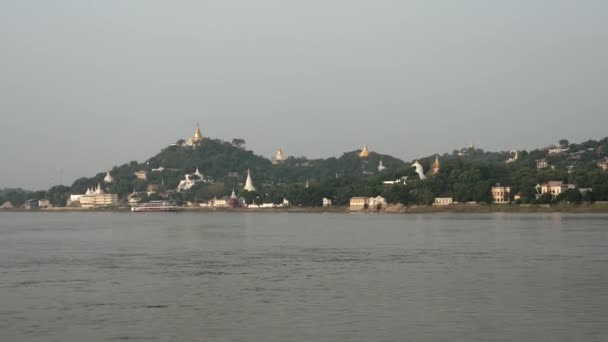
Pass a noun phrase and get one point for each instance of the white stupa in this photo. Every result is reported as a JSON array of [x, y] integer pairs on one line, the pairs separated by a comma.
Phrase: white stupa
[[249, 183], [233, 195], [108, 178], [98, 190], [199, 174], [279, 157], [381, 166]]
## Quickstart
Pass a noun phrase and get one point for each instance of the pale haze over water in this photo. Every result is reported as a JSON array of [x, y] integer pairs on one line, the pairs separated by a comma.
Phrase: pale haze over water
[[86, 85], [303, 277]]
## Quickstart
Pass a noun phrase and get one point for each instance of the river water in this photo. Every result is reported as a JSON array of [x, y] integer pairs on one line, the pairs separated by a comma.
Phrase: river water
[[303, 277]]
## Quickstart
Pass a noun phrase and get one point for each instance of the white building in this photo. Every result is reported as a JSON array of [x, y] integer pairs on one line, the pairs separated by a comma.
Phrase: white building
[[440, 201], [220, 202], [501, 194], [542, 164], [603, 164], [377, 202], [44, 203], [191, 179], [359, 203], [97, 198], [74, 200], [555, 188], [141, 175], [557, 150], [326, 202], [401, 180]]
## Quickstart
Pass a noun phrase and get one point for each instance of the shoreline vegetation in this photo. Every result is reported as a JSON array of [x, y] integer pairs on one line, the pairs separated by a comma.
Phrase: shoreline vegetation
[[391, 209]]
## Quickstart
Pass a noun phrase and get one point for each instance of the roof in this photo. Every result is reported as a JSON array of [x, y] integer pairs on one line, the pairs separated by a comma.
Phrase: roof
[[7, 205], [555, 183]]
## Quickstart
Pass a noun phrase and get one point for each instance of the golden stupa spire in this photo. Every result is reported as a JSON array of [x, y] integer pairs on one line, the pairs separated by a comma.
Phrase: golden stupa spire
[[364, 152], [197, 134]]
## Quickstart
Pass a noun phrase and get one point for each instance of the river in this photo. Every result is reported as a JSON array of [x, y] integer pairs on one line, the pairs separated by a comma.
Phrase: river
[[303, 277]]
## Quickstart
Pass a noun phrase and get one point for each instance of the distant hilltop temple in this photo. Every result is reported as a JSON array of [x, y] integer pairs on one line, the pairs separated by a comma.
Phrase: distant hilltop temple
[[195, 139], [364, 152], [279, 157]]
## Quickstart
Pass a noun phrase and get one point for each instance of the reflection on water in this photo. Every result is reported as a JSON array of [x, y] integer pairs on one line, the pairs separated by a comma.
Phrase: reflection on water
[[301, 277]]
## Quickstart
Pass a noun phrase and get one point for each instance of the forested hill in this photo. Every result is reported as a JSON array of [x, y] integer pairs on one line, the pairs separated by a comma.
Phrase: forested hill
[[227, 163], [466, 174]]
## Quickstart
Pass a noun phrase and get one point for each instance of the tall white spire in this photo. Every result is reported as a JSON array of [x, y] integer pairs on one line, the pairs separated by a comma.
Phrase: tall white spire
[[108, 179], [381, 166], [249, 183], [198, 173], [99, 190], [233, 195]]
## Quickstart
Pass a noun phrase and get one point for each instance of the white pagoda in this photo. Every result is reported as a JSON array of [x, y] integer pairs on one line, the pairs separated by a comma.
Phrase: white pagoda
[[381, 166], [249, 183], [108, 178], [279, 157]]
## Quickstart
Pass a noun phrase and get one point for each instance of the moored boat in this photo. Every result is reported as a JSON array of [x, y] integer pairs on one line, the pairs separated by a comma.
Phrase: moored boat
[[155, 206]]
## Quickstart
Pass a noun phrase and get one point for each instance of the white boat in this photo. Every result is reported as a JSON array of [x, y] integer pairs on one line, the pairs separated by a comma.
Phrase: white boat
[[155, 206]]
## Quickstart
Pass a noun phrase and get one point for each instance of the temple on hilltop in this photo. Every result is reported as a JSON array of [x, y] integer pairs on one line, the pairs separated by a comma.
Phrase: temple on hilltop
[[364, 152], [195, 139], [249, 183], [279, 157], [435, 167]]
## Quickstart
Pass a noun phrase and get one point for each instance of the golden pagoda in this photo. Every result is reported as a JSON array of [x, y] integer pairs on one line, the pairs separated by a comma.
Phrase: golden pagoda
[[279, 157], [436, 166], [197, 135], [364, 152]]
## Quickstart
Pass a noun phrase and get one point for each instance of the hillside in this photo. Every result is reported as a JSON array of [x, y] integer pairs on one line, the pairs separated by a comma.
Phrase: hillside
[[466, 174]]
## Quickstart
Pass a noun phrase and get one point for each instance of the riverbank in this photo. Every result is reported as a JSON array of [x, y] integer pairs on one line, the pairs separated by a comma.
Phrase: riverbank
[[391, 209]]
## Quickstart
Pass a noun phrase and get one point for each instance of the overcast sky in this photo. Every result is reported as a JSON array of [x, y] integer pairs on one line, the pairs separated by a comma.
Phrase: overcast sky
[[86, 85]]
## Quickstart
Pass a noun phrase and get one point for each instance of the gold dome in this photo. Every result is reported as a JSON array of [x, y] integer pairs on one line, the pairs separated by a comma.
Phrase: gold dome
[[364, 152]]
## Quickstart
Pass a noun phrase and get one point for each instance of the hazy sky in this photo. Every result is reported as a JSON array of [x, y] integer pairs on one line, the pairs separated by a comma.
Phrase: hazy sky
[[86, 85]]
